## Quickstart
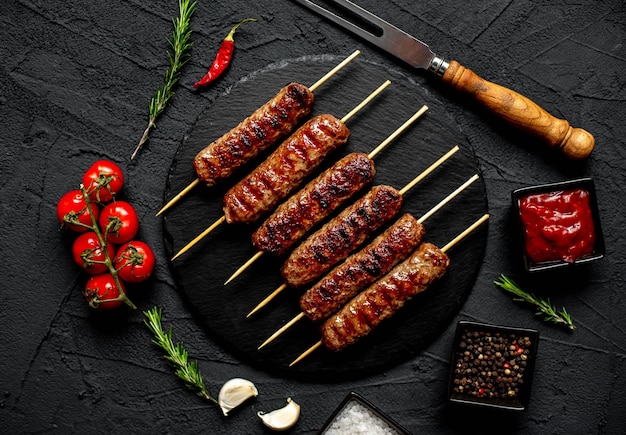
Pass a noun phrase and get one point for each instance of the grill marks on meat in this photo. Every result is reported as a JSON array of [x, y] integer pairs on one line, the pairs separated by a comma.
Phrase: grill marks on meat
[[264, 127], [382, 299], [313, 203], [362, 268], [296, 158], [341, 235]]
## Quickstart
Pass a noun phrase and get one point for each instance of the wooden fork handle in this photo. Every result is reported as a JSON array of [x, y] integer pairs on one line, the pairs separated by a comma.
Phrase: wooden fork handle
[[521, 112]]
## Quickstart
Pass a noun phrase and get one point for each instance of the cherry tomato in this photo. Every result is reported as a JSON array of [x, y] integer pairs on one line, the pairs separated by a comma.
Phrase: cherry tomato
[[103, 180], [72, 211], [102, 293], [134, 261], [119, 220], [89, 255]]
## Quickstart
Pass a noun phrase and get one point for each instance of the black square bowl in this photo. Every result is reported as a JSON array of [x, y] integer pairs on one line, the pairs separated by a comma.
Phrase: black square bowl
[[585, 184], [363, 405], [492, 366]]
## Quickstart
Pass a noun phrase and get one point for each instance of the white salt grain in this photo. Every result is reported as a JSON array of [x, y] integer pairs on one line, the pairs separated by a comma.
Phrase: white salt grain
[[356, 419]]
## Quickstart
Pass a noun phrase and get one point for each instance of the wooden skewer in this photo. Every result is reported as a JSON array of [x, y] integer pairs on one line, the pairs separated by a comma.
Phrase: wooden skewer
[[421, 220], [282, 329], [444, 249], [200, 236], [244, 266], [464, 234], [306, 353], [365, 102], [312, 88], [180, 194], [267, 300], [427, 171], [398, 131], [334, 71], [371, 155], [218, 222], [448, 198]]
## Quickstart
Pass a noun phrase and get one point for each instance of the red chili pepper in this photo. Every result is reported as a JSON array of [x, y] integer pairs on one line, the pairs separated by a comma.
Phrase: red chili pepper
[[223, 57]]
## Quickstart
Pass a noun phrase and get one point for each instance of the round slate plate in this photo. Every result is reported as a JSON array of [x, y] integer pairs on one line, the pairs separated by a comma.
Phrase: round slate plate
[[201, 272]]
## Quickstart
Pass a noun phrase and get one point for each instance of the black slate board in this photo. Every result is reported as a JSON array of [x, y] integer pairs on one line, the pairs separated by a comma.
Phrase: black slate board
[[201, 272]]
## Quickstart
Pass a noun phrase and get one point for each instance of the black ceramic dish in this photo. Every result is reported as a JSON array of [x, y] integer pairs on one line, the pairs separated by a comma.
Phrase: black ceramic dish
[[200, 273], [498, 363], [586, 184], [354, 397]]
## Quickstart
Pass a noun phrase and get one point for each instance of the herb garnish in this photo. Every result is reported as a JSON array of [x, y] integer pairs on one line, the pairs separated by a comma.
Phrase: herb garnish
[[177, 355], [181, 46], [544, 306]]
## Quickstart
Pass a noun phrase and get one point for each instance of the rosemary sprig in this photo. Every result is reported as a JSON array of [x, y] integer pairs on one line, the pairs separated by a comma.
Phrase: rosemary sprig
[[178, 57], [177, 355], [544, 306]]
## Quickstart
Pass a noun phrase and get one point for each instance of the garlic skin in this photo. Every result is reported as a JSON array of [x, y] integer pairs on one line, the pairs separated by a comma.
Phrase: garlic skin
[[234, 392], [283, 418]]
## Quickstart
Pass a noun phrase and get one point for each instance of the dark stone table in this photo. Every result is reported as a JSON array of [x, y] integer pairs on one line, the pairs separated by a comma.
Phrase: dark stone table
[[76, 81]]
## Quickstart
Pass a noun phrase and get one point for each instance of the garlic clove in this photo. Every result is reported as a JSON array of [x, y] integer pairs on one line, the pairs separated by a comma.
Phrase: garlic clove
[[283, 418], [234, 392]]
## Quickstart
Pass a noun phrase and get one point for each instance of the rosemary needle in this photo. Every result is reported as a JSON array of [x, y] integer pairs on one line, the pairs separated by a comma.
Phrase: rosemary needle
[[544, 306], [177, 355], [179, 55]]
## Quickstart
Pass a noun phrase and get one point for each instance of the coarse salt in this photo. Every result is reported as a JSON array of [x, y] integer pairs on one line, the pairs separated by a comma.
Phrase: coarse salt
[[356, 419]]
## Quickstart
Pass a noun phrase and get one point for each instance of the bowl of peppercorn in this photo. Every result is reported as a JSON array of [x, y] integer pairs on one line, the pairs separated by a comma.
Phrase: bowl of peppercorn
[[492, 366], [559, 224]]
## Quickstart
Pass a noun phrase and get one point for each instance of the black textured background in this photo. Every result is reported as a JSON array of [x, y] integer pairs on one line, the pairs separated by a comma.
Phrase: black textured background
[[76, 81]]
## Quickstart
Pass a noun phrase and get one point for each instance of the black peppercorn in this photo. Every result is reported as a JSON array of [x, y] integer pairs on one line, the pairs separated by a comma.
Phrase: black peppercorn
[[493, 364]]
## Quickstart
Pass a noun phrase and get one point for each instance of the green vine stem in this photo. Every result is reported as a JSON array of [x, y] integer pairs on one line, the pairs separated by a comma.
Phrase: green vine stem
[[107, 259], [181, 52]]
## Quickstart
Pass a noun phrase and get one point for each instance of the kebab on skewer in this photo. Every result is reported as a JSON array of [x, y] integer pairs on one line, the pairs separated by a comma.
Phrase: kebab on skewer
[[364, 267], [263, 128], [344, 233], [284, 170], [317, 200], [386, 296], [358, 271]]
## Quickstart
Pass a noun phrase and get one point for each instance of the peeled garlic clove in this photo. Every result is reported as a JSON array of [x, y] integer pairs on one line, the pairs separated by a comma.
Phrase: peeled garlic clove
[[234, 392], [283, 418]]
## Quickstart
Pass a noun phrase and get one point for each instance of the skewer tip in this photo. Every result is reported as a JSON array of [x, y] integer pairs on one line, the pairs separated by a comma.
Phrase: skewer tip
[[243, 267], [306, 353], [448, 198], [332, 72], [265, 301], [397, 132], [176, 198], [467, 231], [366, 101], [281, 330], [428, 170], [189, 245]]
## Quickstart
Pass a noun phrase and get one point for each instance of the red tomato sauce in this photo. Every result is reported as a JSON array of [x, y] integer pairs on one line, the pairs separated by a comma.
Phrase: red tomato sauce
[[557, 225]]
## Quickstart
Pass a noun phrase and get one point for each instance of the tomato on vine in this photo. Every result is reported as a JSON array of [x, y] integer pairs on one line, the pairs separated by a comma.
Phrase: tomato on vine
[[89, 255], [102, 292], [134, 261], [119, 222], [73, 213], [103, 180], [103, 224]]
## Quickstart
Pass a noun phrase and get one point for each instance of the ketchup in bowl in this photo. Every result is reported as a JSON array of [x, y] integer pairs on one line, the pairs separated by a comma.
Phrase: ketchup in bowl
[[559, 223]]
